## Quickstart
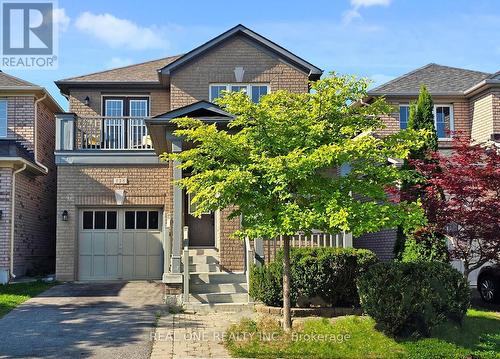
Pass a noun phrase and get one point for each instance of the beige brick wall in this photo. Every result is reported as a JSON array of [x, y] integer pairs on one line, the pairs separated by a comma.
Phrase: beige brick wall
[[159, 100], [191, 82], [461, 115], [5, 207], [90, 186], [20, 115], [496, 110], [35, 226], [231, 249]]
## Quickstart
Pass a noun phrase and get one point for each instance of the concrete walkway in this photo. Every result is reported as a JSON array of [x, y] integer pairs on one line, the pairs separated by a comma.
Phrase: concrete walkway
[[187, 335], [99, 320]]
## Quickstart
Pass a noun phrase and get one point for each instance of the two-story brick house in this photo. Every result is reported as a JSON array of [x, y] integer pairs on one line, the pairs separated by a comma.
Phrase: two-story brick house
[[466, 102], [27, 178], [119, 214]]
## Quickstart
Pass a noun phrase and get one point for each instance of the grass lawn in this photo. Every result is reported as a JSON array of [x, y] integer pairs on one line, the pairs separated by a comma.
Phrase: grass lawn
[[356, 337], [11, 295]]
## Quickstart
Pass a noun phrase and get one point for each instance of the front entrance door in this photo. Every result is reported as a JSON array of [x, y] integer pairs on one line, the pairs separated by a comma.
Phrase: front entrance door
[[201, 230]]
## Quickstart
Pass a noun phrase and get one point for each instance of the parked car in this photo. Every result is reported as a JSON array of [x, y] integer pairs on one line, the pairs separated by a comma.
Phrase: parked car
[[488, 283]]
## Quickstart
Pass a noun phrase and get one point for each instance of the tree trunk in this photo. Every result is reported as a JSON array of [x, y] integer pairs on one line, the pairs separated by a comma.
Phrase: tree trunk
[[466, 273], [287, 315]]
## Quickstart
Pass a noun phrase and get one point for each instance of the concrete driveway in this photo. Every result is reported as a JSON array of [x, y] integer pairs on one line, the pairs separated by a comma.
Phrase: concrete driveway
[[99, 320]]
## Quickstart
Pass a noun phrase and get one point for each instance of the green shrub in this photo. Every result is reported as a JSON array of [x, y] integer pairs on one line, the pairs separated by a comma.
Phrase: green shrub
[[326, 273], [409, 299], [427, 247]]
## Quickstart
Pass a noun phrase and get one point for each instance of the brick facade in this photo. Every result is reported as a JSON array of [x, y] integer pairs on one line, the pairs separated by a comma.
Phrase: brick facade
[[34, 197], [92, 186], [191, 82]]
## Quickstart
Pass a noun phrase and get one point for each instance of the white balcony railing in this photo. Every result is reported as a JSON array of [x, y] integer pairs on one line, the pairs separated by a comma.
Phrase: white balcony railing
[[101, 133]]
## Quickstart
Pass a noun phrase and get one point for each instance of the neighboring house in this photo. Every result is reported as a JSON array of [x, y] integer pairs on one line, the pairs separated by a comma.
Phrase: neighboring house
[[466, 102], [119, 214], [27, 178]]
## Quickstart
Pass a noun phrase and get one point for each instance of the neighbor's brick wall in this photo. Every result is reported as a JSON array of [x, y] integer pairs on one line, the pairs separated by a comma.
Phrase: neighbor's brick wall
[[461, 116], [35, 226], [191, 82], [381, 243], [20, 115], [231, 251], [90, 186], [5, 207], [159, 101]]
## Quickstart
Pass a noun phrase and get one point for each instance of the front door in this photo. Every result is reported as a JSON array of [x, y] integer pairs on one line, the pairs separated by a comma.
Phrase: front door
[[201, 230]]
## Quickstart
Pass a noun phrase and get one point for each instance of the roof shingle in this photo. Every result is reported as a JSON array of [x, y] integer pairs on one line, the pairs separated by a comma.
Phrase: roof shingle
[[438, 79], [142, 72], [7, 80]]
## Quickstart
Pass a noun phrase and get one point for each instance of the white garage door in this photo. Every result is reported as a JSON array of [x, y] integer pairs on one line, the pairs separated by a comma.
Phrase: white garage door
[[120, 244]]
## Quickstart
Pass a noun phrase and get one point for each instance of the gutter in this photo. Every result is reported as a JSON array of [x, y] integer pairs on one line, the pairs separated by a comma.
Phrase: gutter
[[12, 218], [46, 170]]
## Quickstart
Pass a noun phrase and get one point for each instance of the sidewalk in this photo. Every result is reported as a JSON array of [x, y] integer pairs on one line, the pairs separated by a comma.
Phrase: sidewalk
[[187, 335]]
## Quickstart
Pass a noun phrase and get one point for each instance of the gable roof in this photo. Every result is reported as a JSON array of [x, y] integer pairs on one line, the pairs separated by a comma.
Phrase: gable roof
[[202, 109], [7, 80], [313, 71], [439, 80]]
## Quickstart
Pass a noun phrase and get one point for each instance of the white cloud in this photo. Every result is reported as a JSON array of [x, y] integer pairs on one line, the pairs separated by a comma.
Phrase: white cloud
[[353, 13], [120, 33], [119, 62], [367, 3], [61, 19]]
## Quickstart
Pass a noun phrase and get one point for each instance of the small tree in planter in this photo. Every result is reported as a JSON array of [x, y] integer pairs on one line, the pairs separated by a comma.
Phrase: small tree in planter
[[275, 165], [421, 117], [462, 192]]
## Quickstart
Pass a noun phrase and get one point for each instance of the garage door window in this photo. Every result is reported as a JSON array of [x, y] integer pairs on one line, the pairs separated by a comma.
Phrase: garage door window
[[141, 219], [99, 220]]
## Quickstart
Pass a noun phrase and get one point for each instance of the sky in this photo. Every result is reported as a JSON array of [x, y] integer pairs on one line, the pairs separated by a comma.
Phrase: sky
[[378, 39]]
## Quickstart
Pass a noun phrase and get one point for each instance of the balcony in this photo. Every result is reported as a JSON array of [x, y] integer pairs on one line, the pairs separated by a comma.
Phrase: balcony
[[74, 133]]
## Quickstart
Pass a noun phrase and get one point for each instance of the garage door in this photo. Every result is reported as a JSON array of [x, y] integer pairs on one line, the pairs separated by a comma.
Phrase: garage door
[[120, 244]]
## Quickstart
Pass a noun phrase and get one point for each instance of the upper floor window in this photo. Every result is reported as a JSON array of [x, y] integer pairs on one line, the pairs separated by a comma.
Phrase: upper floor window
[[254, 91], [443, 119], [3, 118], [404, 113]]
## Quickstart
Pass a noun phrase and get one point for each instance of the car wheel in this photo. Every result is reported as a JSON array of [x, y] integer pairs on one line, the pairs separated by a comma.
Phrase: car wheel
[[488, 289]]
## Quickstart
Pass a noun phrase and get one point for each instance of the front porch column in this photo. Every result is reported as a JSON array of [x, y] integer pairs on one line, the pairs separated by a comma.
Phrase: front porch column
[[177, 215]]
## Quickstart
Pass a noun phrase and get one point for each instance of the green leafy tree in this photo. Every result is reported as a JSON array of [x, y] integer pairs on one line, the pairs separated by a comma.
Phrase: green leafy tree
[[275, 164], [420, 117]]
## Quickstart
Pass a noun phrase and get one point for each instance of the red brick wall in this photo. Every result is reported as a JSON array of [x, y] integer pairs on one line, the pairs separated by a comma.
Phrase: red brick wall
[[5, 207], [20, 115], [231, 249]]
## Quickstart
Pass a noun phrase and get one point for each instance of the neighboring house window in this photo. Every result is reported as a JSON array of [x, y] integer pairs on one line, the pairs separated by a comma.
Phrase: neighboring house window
[[254, 91], [3, 118], [443, 119], [404, 114]]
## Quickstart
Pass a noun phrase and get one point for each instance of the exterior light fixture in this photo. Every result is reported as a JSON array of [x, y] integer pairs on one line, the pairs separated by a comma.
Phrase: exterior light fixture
[[87, 101], [65, 216], [1, 214], [119, 196]]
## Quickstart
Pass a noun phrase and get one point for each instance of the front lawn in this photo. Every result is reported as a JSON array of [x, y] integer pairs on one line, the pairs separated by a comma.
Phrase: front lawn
[[11, 295], [356, 337]]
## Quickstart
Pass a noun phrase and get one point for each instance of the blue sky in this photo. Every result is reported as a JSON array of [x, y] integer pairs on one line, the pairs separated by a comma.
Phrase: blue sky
[[379, 39]]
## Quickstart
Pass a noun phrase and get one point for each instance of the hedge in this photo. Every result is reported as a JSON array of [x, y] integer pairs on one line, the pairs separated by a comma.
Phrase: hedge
[[409, 299], [326, 273]]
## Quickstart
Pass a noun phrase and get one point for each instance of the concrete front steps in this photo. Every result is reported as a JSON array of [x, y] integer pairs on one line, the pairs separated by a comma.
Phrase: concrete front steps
[[211, 289]]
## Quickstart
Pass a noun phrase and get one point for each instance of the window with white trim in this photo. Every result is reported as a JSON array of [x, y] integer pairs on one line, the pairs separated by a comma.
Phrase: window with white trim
[[443, 120], [404, 114], [3, 118], [254, 91]]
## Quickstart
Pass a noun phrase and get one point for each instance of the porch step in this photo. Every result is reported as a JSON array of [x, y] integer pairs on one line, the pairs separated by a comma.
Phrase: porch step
[[204, 268], [197, 252], [221, 297], [218, 288], [203, 259], [205, 308], [217, 278]]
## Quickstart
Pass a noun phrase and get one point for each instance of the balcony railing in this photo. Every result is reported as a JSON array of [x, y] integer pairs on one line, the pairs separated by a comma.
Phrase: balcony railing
[[102, 133]]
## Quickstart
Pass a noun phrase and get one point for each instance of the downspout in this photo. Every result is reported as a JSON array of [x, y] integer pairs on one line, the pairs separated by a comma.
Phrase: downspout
[[35, 137], [12, 218]]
